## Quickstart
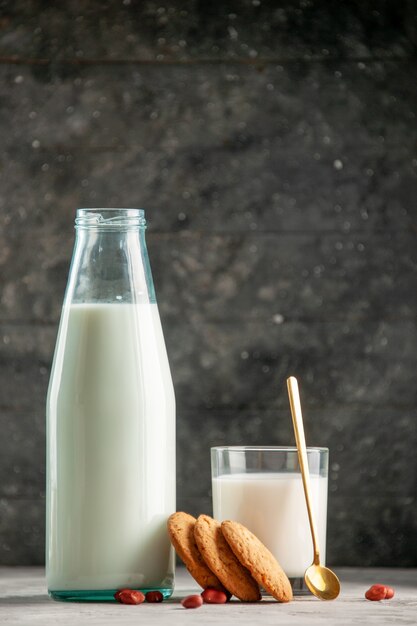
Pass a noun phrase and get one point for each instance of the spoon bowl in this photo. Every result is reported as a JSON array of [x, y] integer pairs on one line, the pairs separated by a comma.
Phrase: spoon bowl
[[322, 582]]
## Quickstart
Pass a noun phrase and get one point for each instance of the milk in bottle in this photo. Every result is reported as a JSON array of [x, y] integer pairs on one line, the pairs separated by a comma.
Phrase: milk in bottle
[[110, 420]]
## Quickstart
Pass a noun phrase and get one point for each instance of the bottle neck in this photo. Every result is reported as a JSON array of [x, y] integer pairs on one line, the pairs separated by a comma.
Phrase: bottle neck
[[110, 261]]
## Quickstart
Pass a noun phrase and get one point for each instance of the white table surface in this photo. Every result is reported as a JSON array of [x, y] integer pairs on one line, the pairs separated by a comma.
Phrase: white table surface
[[24, 600]]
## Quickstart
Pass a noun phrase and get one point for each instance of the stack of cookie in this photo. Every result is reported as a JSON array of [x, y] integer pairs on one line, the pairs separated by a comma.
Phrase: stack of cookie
[[227, 556]]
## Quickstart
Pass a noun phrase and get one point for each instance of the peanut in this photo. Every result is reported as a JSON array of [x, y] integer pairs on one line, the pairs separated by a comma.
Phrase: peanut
[[154, 596], [192, 602], [213, 596], [376, 592], [129, 596]]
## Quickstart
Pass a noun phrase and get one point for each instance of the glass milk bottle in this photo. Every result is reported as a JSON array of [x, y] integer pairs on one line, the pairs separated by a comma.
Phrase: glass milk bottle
[[110, 420]]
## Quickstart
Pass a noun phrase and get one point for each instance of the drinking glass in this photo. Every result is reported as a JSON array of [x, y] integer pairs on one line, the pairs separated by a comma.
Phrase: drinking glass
[[261, 487]]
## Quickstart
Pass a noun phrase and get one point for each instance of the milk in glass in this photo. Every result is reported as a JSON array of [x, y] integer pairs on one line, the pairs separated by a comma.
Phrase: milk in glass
[[273, 507]]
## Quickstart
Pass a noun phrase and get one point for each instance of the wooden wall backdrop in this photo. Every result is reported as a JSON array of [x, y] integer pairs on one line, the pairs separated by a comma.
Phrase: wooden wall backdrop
[[273, 145]]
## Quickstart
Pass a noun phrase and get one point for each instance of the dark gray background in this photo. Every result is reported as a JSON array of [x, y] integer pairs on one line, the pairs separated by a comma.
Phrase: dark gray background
[[273, 145]]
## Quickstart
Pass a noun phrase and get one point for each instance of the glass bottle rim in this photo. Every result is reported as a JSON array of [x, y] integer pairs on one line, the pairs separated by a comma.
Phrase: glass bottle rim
[[110, 218]]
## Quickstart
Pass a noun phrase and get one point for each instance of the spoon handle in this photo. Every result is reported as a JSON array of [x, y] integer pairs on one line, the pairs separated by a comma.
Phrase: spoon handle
[[297, 419]]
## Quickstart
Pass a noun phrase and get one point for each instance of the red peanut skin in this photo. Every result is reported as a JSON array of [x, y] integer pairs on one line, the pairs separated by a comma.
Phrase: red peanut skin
[[154, 596], [376, 592], [128, 596], [390, 593], [213, 596], [192, 602], [117, 594]]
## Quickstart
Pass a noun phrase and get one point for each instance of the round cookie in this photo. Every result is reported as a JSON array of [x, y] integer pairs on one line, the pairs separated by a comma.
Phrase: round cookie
[[258, 559], [219, 557], [181, 532]]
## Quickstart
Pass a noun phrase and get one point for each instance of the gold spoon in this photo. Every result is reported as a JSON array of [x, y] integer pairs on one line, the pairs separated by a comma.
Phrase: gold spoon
[[321, 581]]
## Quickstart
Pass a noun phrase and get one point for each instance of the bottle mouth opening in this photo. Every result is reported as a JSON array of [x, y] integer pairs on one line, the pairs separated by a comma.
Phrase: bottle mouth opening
[[110, 219]]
